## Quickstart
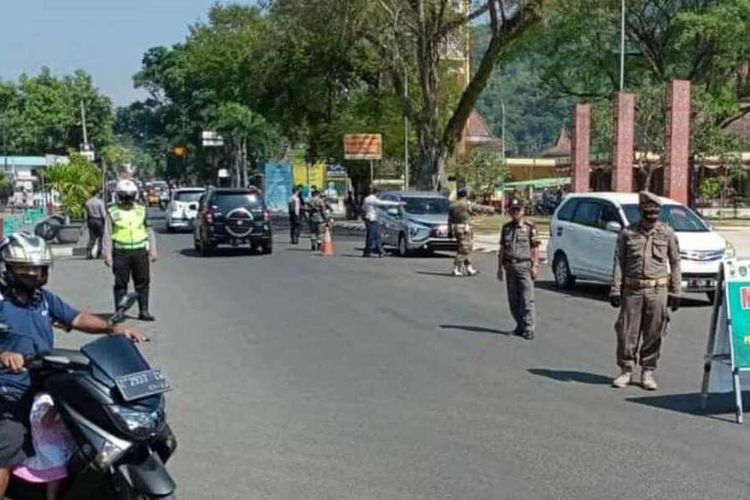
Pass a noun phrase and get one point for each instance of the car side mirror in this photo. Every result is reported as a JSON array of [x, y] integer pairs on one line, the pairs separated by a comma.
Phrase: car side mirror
[[394, 212], [613, 227], [193, 206]]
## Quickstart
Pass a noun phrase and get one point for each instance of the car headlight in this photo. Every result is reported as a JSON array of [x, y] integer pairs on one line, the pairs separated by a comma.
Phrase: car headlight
[[137, 423], [418, 231], [729, 251]]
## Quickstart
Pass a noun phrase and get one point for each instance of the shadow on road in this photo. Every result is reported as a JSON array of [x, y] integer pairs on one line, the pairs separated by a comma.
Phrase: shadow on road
[[221, 252], [572, 376], [689, 403], [476, 329], [431, 273]]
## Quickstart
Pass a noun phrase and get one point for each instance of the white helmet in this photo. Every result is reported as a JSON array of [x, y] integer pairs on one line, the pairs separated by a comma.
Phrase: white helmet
[[126, 190], [25, 248]]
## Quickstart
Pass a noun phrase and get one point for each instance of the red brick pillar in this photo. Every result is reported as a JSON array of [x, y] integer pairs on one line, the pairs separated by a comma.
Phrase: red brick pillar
[[580, 150], [623, 131], [677, 145]]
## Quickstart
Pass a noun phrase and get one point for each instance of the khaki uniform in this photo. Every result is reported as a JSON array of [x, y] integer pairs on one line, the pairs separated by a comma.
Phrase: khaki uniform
[[318, 222], [517, 240], [459, 220], [646, 268]]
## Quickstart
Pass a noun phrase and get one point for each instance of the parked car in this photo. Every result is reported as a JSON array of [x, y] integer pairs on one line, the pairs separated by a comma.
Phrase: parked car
[[421, 224], [182, 208], [233, 216], [584, 230]]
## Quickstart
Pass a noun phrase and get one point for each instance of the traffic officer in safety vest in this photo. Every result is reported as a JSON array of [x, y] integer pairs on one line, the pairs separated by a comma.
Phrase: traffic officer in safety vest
[[129, 245]]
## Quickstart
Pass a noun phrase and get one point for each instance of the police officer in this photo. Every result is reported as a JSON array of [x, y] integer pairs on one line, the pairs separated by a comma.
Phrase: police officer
[[317, 214], [518, 264], [647, 270], [295, 214], [459, 225], [129, 244]]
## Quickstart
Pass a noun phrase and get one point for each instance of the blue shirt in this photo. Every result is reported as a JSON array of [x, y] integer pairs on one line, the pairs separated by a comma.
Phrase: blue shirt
[[30, 332]]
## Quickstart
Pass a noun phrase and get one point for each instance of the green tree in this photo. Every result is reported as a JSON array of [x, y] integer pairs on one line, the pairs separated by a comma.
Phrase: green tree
[[76, 182], [481, 172]]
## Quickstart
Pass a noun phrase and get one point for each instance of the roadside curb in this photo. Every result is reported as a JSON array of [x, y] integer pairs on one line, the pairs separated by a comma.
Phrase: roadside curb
[[66, 252]]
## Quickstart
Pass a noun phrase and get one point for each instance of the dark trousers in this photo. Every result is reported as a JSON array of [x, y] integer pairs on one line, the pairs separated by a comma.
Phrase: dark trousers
[[295, 228], [135, 263], [96, 231], [373, 244], [520, 287]]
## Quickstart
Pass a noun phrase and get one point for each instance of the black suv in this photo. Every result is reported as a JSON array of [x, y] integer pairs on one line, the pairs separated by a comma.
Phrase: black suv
[[233, 216]]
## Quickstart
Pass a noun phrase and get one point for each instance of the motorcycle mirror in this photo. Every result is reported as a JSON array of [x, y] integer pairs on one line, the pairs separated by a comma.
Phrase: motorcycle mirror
[[4, 328], [127, 301]]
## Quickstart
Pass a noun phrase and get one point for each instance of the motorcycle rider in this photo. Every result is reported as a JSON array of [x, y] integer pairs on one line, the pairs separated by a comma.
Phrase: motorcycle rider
[[28, 310]]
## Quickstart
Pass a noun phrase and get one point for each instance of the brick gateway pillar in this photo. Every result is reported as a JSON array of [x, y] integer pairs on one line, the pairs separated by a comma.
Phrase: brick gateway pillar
[[677, 147], [580, 150], [622, 142]]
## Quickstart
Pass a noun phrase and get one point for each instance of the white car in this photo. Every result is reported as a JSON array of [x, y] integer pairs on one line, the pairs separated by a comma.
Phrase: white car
[[584, 230], [183, 208]]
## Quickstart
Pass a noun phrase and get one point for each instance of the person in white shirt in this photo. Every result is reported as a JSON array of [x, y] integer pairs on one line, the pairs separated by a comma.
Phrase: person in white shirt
[[373, 244], [295, 222]]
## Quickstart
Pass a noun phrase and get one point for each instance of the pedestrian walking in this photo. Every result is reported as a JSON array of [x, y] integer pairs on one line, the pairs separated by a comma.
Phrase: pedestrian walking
[[647, 280], [96, 214], [459, 227], [370, 206], [295, 214], [130, 246], [518, 265]]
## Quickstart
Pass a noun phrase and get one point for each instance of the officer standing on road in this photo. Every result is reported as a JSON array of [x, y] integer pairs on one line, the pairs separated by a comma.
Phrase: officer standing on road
[[518, 260], [317, 214], [647, 270], [129, 244], [459, 225], [96, 214], [295, 212]]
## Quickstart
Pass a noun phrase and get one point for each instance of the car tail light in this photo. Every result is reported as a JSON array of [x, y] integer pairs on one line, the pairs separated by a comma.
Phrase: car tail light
[[266, 215]]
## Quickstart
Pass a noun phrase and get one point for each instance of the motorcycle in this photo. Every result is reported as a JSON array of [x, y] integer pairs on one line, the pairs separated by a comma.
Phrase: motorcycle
[[112, 403]]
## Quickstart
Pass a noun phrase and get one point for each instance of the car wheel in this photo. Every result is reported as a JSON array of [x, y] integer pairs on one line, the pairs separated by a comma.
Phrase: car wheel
[[170, 229], [563, 278], [403, 250], [711, 296]]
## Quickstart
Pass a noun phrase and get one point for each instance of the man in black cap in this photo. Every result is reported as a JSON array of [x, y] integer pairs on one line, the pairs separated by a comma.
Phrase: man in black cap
[[518, 264], [646, 272]]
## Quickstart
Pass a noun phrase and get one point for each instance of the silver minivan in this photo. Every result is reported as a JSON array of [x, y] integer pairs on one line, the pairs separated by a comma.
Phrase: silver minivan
[[420, 224]]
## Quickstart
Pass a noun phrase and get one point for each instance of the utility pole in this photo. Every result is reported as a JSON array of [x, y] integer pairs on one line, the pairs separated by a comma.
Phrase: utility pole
[[622, 46], [502, 109], [83, 124], [406, 133]]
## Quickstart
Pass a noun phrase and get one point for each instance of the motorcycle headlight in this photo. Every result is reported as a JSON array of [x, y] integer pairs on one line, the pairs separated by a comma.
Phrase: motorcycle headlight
[[137, 423], [729, 251]]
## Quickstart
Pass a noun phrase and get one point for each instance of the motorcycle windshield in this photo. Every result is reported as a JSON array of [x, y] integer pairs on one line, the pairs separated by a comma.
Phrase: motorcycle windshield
[[114, 357]]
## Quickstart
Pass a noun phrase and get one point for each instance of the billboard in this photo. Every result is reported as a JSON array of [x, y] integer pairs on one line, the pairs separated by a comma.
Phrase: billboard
[[363, 147], [278, 187], [317, 173]]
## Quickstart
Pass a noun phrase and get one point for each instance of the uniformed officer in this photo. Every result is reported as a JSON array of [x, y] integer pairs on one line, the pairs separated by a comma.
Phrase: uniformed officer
[[317, 214], [129, 244], [459, 225], [518, 260], [647, 270]]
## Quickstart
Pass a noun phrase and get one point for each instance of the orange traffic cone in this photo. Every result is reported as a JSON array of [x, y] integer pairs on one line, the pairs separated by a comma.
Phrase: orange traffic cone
[[327, 248]]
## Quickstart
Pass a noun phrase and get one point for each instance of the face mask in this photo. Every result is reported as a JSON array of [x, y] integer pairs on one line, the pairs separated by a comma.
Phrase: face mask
[[650, 216], [26, 281]]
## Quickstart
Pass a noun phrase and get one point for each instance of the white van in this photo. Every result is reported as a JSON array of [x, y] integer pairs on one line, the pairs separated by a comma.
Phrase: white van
[[584, 230]]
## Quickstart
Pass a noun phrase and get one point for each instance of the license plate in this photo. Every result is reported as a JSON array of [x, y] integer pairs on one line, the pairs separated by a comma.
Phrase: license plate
[[142, 384]]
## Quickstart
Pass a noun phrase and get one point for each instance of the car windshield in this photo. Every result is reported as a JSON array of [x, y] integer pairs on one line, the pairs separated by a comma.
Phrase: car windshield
[[682, 219], [229, 201], [187, 196], [426, 206]]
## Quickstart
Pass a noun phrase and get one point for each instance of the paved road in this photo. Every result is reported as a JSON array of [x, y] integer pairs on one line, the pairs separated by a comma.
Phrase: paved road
[[305, 377]]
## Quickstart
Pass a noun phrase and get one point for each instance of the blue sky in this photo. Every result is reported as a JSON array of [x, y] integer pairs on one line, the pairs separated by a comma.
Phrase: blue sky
[[107, 38]]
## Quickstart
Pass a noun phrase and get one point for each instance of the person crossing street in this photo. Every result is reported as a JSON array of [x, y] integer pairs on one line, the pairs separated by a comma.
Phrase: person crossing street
[[130, 246], [647, 280], [96, 214], [459, 226], [518, 265]]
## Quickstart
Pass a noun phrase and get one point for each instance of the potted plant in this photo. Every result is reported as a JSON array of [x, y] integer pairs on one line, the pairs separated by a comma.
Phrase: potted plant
[[76, 182]]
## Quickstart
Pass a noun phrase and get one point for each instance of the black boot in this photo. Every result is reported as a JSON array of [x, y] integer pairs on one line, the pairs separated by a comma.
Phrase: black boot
[[143, 306]]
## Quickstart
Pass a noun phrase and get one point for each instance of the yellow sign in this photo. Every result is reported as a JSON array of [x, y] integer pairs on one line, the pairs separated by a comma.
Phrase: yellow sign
[[317, 174]]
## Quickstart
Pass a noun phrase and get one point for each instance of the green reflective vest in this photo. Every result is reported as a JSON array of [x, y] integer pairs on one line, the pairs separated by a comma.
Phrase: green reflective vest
[[129, 227]]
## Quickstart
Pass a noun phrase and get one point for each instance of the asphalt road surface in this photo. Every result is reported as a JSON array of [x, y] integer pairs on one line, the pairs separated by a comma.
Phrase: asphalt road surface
[[303, 377]]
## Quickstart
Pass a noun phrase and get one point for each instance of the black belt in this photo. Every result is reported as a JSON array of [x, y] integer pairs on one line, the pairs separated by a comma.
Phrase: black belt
[[510, 260]]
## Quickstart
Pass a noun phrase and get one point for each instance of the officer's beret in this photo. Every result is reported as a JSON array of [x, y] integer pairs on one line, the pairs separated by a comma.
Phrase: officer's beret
[[648, 198]]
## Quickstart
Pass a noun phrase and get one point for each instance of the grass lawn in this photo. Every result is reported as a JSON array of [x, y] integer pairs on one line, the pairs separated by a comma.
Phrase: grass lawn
[[492, 224]]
